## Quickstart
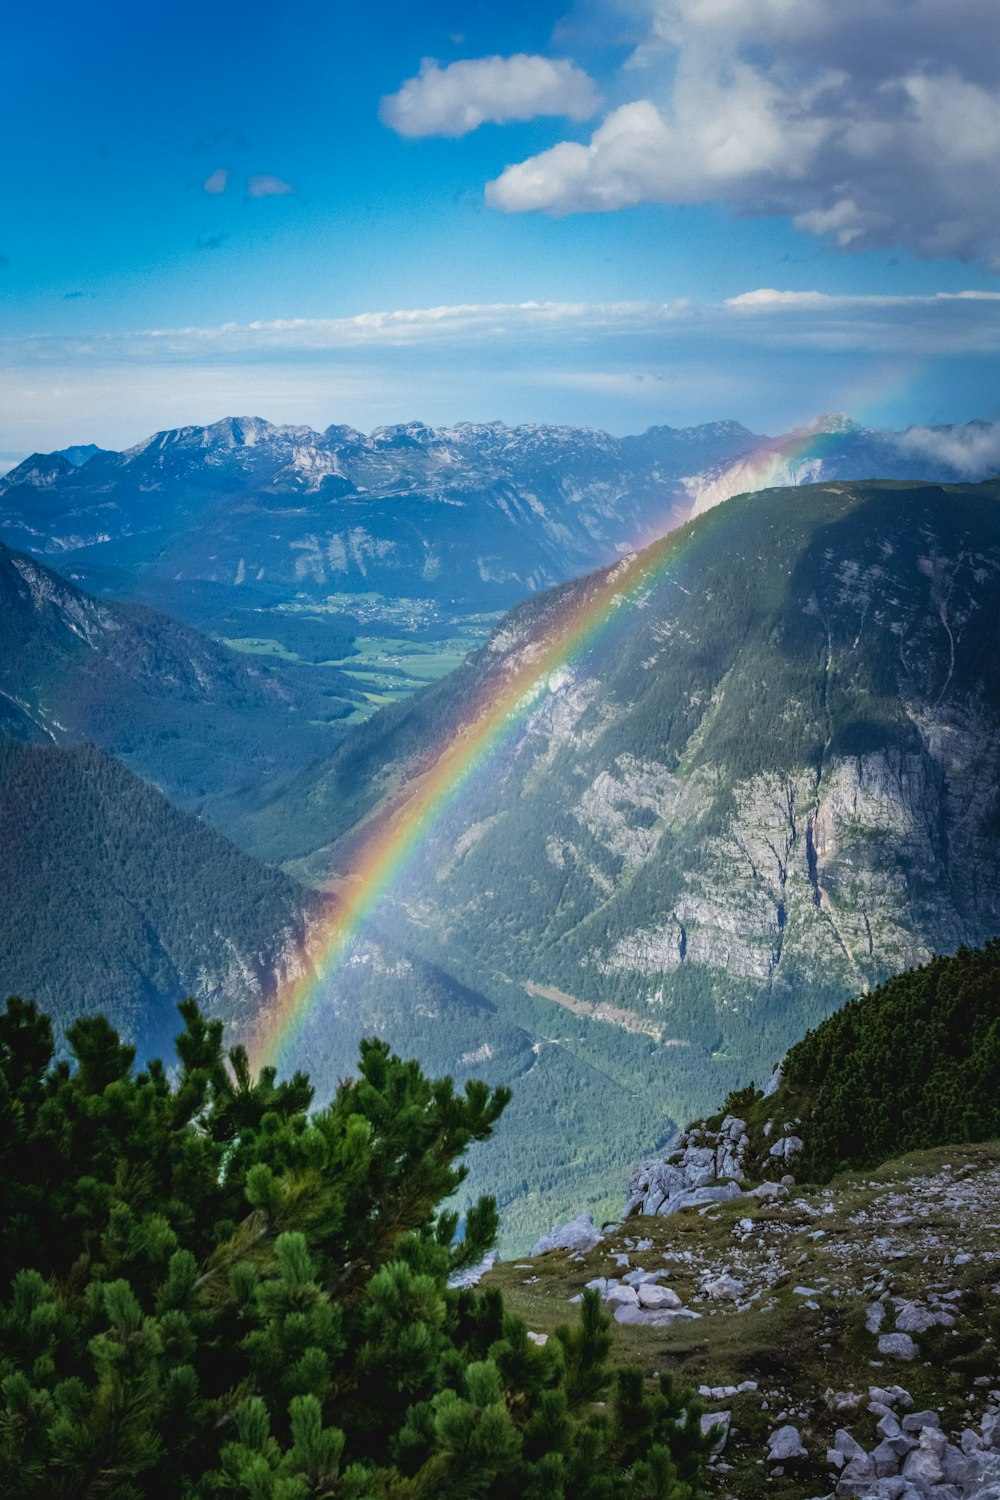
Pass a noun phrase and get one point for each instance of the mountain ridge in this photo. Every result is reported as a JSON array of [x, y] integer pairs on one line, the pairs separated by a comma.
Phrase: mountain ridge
[[772, 783], [476, 514]]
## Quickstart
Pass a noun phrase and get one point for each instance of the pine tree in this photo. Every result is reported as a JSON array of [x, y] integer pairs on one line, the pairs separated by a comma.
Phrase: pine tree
[[208, 1290]]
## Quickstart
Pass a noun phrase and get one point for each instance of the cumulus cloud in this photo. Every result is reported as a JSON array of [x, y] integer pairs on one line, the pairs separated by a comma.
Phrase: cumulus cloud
[[215, 182], [872, 125], [264, 185], [464, 95]]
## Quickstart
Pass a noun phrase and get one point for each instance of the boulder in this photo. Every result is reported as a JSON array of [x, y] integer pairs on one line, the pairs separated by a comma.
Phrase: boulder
[[890, 1453], [769, 1190], [785, 1446], [897, 1346], [918, 1420], [773, 1084], [875, 1317], [788, 1146], [717, 1419], [724, 1288], [658, 1296], [621, 1296], [913, 1317], [579, 1234]]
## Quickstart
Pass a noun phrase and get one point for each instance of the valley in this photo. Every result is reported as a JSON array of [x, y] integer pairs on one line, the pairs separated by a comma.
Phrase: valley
[[763, 780]]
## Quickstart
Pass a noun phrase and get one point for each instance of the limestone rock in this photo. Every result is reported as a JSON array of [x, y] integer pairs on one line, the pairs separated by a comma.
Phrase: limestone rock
[[897, 1346], [621, 1296], [774, 1082], [914, 1317], [658, 1296], [724, 1288], [785, 1445], [579, 1234], [704, 1166], [717, 1419], [875, 1317], [918, 1420]]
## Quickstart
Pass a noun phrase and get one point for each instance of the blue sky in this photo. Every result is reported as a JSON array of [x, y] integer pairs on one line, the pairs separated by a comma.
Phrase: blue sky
[[205, 203]]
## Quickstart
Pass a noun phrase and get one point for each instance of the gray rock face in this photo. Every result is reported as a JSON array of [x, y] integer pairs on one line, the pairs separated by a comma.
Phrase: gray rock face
[[787, 1147], [704, 1167]]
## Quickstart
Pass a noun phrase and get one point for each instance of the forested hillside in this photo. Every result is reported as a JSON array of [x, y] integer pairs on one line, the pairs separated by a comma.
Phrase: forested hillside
[[117, 902], [205, 723], [913, 1064]]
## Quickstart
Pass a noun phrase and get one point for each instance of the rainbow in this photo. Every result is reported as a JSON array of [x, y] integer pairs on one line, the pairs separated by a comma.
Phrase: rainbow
[[580, 615], [577, 618]]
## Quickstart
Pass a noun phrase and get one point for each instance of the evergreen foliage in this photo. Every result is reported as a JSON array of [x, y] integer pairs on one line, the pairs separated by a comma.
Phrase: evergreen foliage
[[913, 1064], [206, 1290]]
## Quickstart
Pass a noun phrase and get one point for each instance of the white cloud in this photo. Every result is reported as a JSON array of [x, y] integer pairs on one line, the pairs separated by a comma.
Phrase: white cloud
[[876, 125], [942, 323], [264, 185], [464, 95], [216, 181], [770, 357], [972, 449]]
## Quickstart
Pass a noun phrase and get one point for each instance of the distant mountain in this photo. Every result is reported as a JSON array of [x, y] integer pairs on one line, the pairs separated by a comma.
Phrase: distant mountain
[[834, 447], [201, 721], [81, 453], [771, 780], [115, 901], [475, 516], [482, 513]]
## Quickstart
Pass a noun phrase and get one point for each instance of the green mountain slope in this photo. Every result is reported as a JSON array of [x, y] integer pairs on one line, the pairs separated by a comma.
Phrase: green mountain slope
[[116, 901], [770, 782], [201, 721]]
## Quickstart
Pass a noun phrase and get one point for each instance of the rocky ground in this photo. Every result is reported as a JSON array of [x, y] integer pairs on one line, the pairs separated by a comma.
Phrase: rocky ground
[[844, 1338]]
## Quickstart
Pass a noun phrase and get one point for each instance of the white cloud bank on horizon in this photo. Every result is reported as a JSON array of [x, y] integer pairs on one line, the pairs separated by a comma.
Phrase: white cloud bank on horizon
[[457, 99], [940, 323], [875, 126], [583, 364]]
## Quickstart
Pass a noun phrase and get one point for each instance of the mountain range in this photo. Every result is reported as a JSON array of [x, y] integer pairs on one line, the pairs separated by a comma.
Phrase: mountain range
[[471, 517], [764, 781]]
